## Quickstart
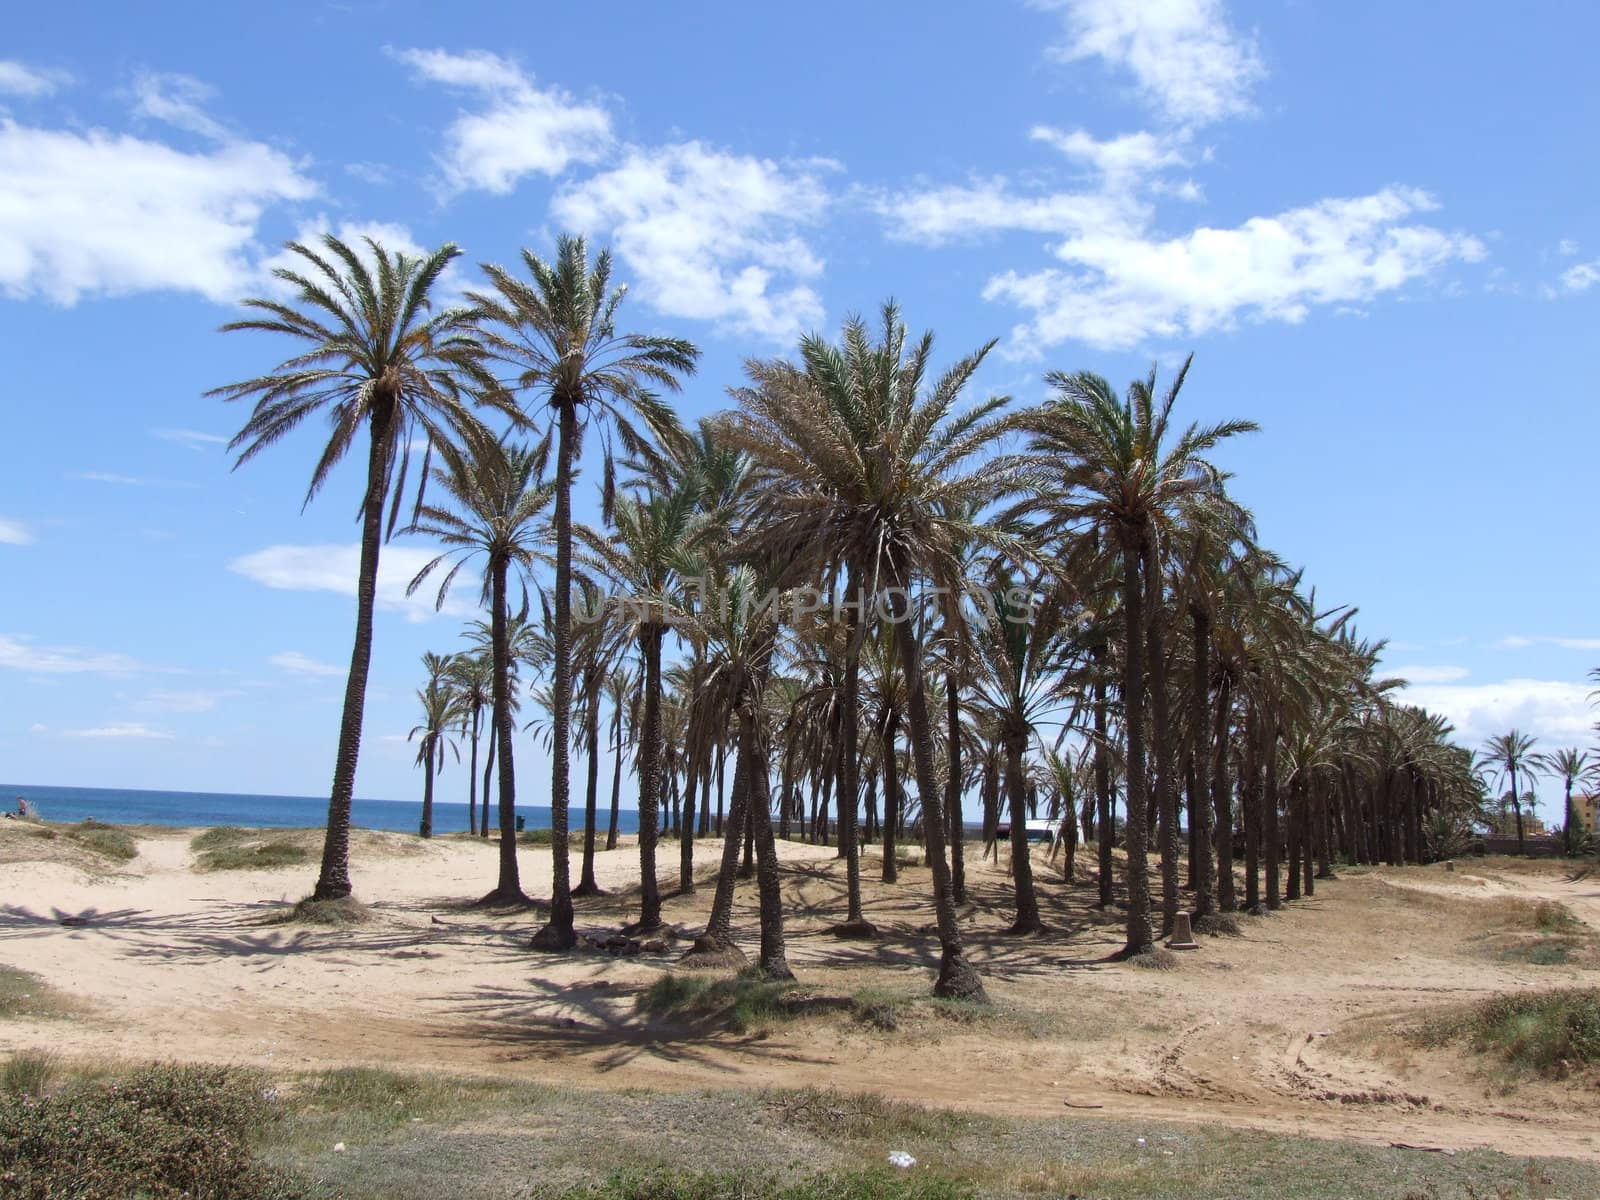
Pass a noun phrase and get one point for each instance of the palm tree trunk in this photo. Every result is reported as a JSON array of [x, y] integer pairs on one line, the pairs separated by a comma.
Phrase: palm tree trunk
[[952, 788], [558, 933], [650, 778], [686, 825], [1269, 806], [1222, 797], [472, 777], [333, 879], [509, 889], [957, 977], [774, 960], [847, 746], [488, 770], [891, 795], [716, 944], [1140, 936], [1166, 783], [748, 869], [1021, 863], [1205, 861], [1516, 807], [591, 793], [1102, 778], [426, 827], [616, 777]]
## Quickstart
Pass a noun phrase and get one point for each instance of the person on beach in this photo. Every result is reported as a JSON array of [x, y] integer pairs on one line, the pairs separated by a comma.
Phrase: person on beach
[[22, 807]]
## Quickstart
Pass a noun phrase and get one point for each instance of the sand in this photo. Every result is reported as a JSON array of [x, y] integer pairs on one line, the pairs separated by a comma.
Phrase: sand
[[1283, 1028]]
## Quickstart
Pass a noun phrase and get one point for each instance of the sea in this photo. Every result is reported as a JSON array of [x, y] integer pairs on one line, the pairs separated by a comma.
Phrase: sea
[[122, 806]]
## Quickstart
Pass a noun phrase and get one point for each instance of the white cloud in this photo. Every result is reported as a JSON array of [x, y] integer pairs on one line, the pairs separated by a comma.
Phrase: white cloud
[[711, 235], [20, 654], [96, 213], [1118, 286], [121, 480], [1580, 277], [19, 79], [986, 206], [369, 172], [1185, 60], [522, 130], [1522, 642], [121, 729], [1426, 674], [191, 700], [334, 568], [1556, 711], [303, 664], [177, 100], [194, 439], [1118, 160], [14, 533], [1566, 247]]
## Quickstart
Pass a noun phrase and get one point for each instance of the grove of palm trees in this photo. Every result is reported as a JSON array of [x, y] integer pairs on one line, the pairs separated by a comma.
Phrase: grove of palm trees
[[878, 600]]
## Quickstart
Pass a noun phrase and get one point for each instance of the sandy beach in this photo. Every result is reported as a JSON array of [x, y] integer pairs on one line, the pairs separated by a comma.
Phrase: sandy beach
[[1287, 1027]]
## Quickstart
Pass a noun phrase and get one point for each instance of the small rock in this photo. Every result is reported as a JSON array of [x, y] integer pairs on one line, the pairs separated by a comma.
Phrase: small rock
[[899, 1158], [338, 1147]]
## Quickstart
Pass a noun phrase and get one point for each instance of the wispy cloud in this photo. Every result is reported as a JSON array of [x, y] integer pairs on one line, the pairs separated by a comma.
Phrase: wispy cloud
[[178, 100], [522, 129], [121, 730], [194, 439], [190, 700], [22, 654], [19, 79], [1426, 674], [14, 533], [1522, 642], [335, 568], [120, 480], [303, 664]]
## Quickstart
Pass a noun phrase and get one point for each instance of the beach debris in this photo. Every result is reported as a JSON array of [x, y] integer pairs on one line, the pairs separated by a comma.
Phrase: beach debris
[[437, 921], [899, 1158], [615, 944], [654, 946], [1075, 1104], [1141, 1141], [1424, 1149], [338, 1147]]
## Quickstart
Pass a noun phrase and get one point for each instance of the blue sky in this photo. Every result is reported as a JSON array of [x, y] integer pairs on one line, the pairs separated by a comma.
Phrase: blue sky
[[1377, 230]]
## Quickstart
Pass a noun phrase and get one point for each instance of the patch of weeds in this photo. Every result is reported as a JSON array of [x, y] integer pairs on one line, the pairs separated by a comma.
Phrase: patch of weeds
[[878, 1008], [259, 857], [536, 837], [742, 1002], [334, 914], [160, 1133], [838, 1116], [1219, 923], [1156, 958], [674, 1183], [24, 994], [108, 841], [1549, 1033], [29, 1073]]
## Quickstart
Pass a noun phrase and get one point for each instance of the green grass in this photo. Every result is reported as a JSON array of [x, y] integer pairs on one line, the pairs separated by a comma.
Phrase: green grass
[[536, 837], [742, 1003], [24, 994], [230, 848], [441, 1137], [1551, 1034], [677, 1184], [108, 841], [29, 1073]]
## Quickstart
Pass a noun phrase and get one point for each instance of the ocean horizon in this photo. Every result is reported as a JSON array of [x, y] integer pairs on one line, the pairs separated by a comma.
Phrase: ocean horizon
[[135, 806]]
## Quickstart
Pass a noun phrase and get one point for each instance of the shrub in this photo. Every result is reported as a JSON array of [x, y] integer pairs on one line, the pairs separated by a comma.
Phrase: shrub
[[163, 1132], [106, 840], [1549, 1033], [29, 1073], [536, 837], [260, 857]]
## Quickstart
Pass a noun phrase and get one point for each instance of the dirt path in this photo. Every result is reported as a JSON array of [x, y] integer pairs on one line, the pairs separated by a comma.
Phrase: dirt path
[[1262, 1031]]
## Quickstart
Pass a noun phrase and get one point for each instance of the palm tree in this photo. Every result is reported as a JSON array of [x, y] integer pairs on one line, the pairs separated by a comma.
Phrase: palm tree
[[622, 693], [864, 469], [557, 330], [472, 677], [1100, 463], [1507, 756], [441, 710], [373, 355], [1571, 767], [497, 502], [655, 542]]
